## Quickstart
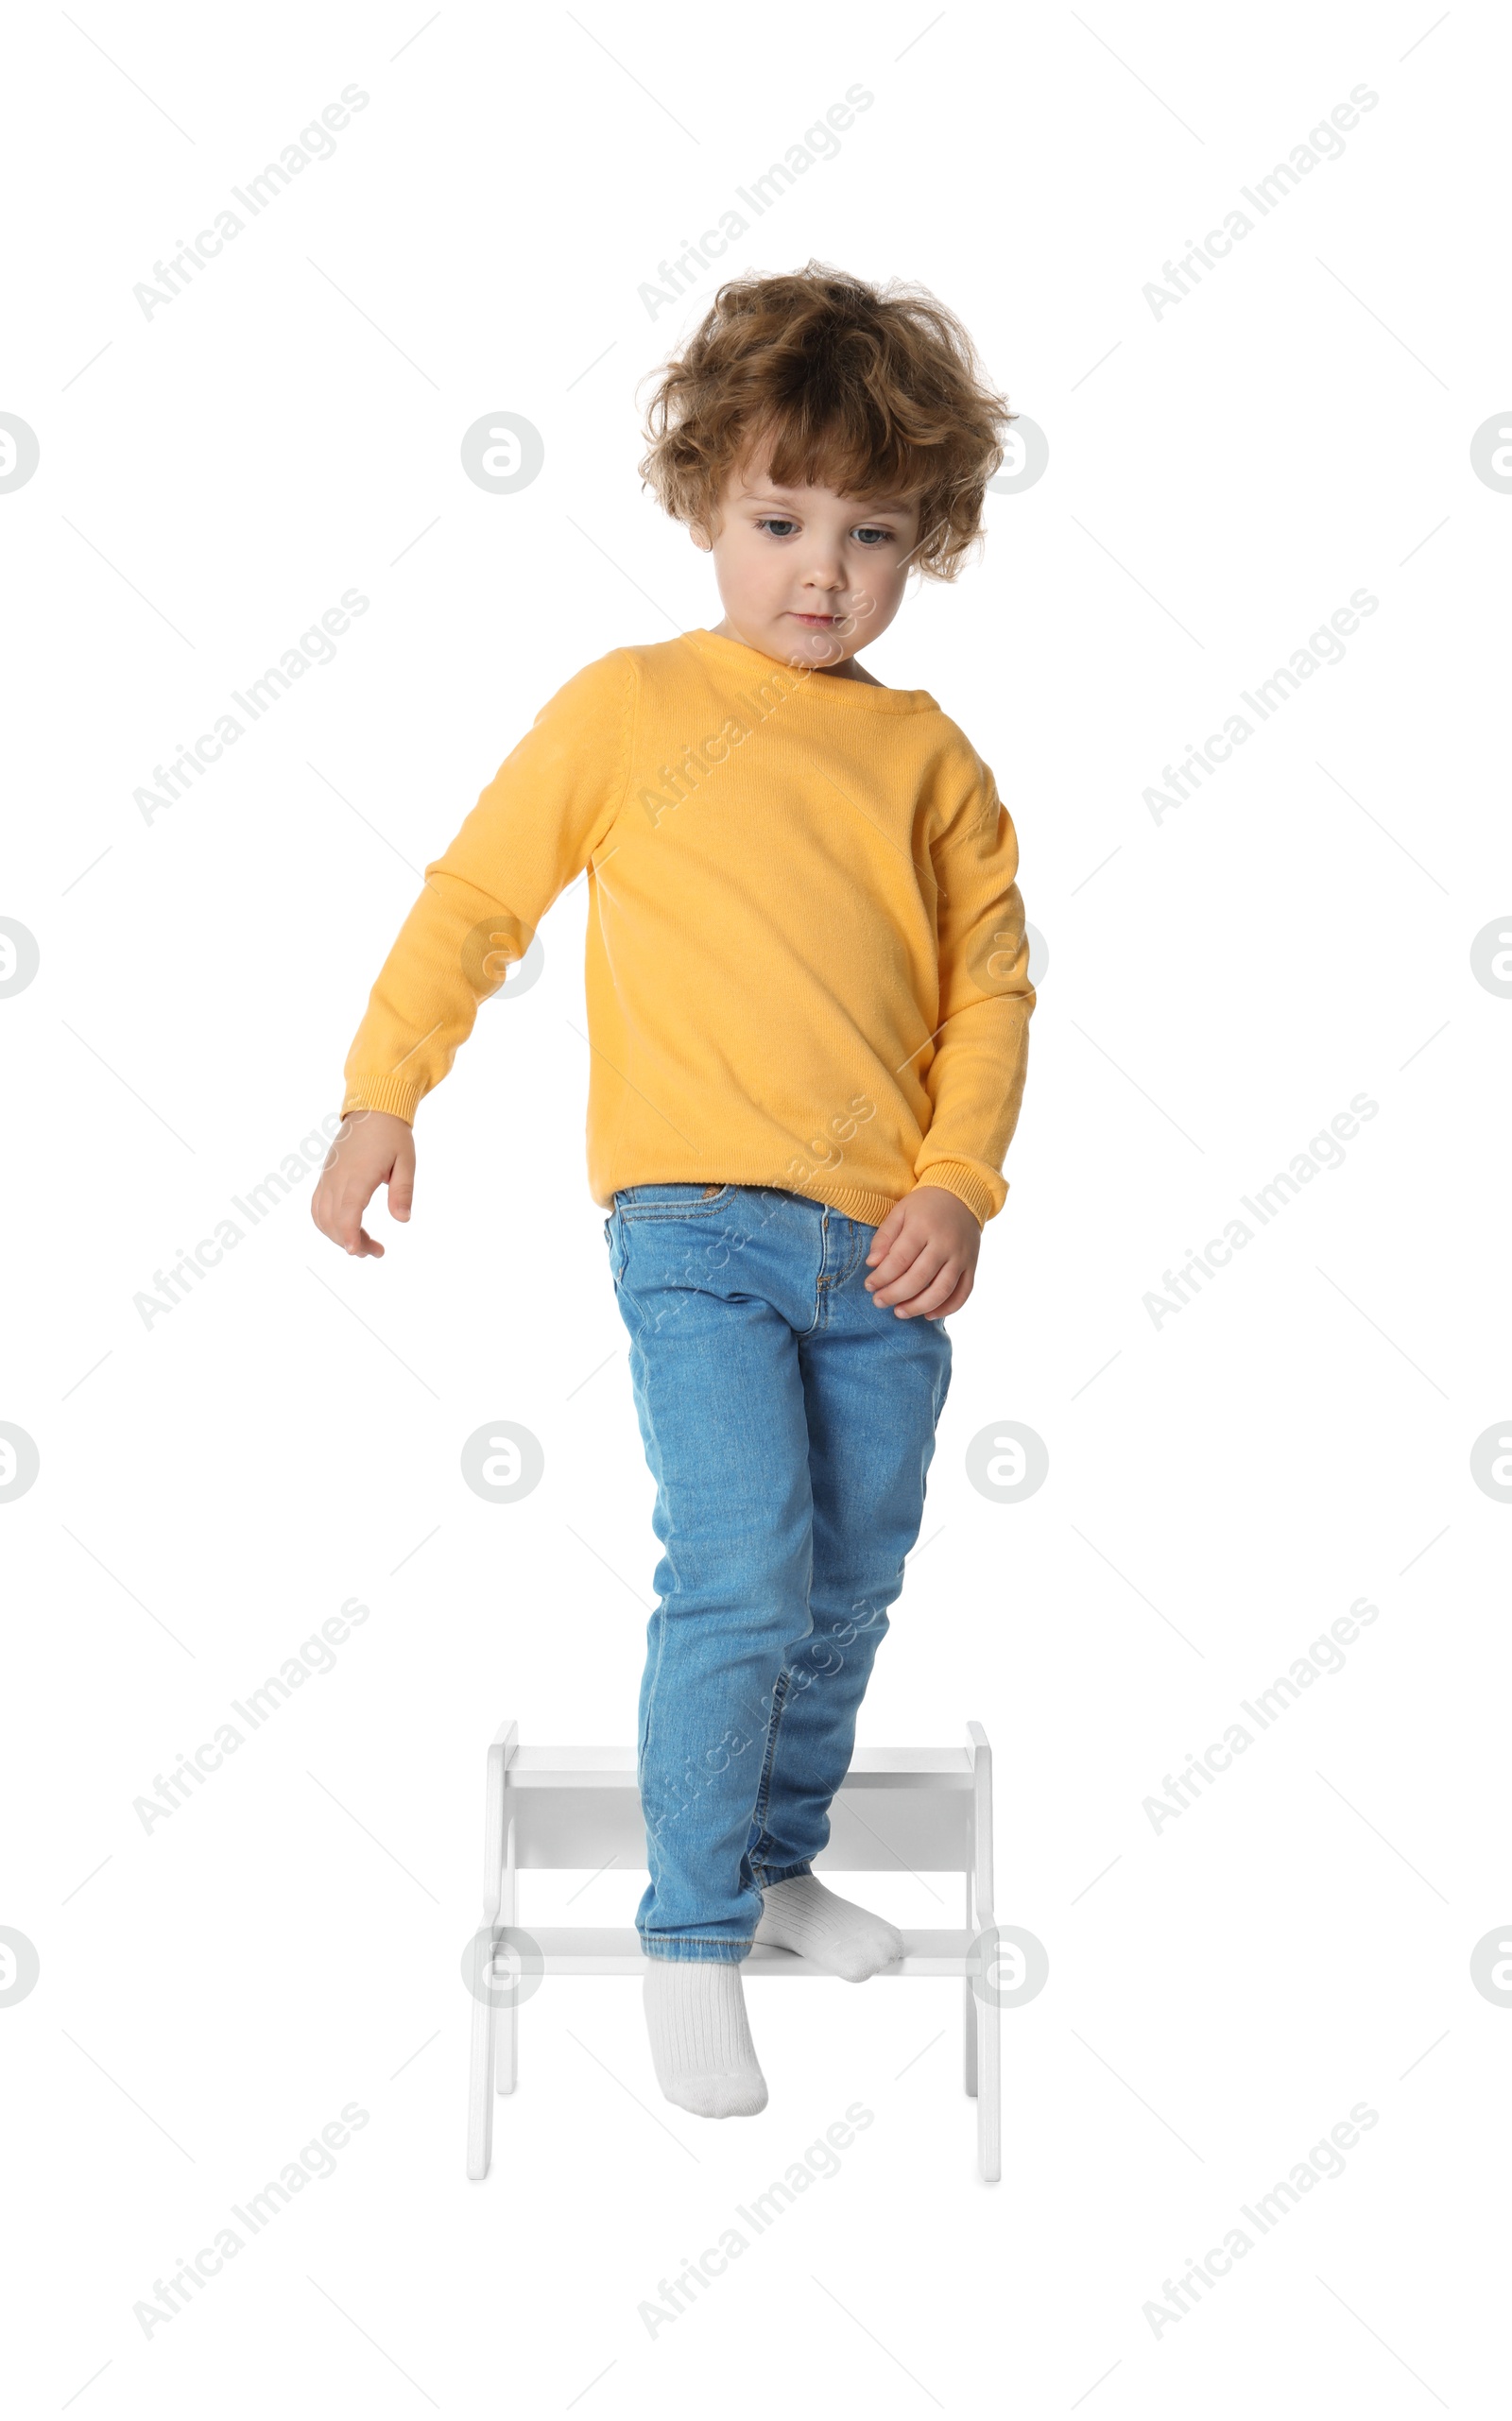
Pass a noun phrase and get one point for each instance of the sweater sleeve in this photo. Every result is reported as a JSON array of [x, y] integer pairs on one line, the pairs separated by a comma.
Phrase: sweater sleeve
[[976, 1078], [534, 829]]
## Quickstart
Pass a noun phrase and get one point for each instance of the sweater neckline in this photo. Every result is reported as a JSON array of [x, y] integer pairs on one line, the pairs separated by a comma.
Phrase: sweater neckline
[[856, 695]]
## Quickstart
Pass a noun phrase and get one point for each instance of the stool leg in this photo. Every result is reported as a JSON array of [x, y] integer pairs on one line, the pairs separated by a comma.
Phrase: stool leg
[[969, 2018], [480, 2089], [987, 2022], [497, 1826], [508, 2019], [989, 2091]]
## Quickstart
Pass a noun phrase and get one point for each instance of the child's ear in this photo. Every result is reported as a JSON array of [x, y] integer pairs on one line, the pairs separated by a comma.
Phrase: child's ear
[[699, 537]]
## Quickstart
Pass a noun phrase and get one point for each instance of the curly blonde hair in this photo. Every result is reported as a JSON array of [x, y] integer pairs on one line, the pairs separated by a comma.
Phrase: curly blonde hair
[[872, 391]]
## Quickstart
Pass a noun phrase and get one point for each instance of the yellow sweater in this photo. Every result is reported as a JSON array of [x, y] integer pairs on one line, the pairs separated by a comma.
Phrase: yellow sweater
[[806, 964]]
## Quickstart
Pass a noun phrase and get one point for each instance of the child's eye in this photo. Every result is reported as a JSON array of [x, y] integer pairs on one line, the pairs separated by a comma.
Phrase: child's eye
[[870, 530], [777, 523]]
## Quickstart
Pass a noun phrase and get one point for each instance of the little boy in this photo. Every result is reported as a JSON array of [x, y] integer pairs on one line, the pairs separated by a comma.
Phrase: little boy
[[808, 1002]]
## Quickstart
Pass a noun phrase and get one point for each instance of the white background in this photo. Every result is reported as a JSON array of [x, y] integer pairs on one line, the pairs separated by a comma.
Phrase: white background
[[1221, 1489]]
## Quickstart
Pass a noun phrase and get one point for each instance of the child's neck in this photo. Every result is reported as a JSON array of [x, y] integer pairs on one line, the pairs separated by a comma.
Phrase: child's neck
[[849, 671]]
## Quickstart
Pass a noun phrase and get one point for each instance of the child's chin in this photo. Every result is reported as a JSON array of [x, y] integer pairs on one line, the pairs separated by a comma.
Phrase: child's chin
[[820, 639]]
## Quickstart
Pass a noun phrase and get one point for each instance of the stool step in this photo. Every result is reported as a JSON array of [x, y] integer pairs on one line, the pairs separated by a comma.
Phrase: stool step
[[538, 1768], [615, 1950]]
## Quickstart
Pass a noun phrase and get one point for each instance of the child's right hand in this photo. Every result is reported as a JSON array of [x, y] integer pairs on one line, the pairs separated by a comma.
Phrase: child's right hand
[[371, 1148]]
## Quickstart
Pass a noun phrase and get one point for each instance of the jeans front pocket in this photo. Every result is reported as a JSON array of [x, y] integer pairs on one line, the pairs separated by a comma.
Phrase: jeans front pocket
[[670, 1201]]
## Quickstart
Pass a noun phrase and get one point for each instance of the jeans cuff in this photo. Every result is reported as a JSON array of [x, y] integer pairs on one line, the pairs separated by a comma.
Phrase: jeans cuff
[[766, 1876], [692, 1945]]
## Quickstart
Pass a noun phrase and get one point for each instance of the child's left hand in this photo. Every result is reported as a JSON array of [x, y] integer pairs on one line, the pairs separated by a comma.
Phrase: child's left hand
[[926, 1251]]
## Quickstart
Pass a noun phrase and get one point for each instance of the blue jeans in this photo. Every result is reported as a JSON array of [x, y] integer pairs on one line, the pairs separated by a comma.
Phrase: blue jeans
[[788, 1421]]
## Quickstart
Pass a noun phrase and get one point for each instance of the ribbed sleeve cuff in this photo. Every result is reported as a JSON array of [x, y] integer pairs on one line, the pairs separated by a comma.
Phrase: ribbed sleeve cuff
[[957, 1178], [399, 1095]]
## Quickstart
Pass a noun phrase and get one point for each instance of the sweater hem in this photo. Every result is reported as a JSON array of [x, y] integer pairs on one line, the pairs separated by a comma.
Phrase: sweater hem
[[860, 1202]]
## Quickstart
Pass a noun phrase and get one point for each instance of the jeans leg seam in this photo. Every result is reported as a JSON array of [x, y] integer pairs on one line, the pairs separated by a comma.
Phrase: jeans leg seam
[[764, 1788], [656, 1675], [764, 1797]]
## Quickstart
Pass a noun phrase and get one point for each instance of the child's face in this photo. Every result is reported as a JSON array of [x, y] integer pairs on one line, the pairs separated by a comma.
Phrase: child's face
[[804, 573]]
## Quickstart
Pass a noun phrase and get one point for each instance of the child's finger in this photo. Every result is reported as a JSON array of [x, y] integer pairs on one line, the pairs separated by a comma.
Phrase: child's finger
[[887, 1232], [931, 1298], [340, 1218], [924, 1260], [962, 1289], [894, 1264], [348, 1230]]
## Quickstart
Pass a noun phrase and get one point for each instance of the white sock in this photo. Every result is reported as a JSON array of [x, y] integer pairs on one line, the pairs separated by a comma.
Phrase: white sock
[[701, 2048], [845, 1940]]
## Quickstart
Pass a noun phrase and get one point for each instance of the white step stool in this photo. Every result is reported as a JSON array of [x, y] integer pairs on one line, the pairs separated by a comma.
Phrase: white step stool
[[922, 1810]]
